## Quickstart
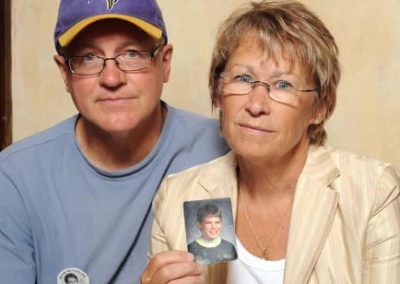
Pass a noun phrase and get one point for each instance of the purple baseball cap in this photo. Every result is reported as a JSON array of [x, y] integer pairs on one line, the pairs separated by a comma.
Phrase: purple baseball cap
[[75, 15]]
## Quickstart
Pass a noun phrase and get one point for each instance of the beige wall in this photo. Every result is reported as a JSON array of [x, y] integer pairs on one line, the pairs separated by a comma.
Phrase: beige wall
[[368, 34]]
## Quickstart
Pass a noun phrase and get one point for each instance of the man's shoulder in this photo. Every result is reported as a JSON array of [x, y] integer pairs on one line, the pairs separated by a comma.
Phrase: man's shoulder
[[199, 132], [190, 139], [191, 119], [42, 141]]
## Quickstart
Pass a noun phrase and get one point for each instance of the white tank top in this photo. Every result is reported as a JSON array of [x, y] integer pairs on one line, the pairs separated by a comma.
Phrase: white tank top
[[250, 269]]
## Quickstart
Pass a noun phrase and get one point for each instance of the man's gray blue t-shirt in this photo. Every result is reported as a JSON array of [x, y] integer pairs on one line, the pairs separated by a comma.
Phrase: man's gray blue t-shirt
[[58, 211]]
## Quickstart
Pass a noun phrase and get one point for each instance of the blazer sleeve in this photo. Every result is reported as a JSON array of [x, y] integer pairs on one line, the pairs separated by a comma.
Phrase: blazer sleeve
[[158, 241], [382, 247]]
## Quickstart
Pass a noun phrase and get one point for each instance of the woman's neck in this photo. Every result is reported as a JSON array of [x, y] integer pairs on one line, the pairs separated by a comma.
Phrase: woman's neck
[[272, 177]]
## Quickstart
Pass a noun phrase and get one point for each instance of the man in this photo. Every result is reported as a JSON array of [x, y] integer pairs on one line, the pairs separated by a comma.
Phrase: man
[[77, 197]]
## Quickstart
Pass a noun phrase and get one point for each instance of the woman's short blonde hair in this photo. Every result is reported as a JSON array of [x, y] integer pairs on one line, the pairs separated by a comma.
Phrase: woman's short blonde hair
[[283, 28]]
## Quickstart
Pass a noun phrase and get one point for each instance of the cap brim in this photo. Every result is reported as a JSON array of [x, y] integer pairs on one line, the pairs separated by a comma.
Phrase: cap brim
[[71, 33]]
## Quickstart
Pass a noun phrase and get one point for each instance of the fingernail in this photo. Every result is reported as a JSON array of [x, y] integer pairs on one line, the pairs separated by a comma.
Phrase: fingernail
[[190, 257]]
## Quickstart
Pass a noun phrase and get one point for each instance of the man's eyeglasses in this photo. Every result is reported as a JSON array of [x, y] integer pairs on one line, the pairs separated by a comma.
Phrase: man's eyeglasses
[[129, 61], [280, 91]]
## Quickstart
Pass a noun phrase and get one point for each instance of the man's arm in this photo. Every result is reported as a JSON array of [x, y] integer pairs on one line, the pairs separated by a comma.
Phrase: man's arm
[[17, 263]]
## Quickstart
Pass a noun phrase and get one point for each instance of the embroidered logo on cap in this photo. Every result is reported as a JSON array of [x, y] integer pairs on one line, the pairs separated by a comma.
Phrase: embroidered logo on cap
[[72, 276], [110, 3]]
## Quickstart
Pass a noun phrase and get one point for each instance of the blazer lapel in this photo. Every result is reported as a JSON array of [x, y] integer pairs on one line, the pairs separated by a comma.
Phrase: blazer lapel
[[221, 181], [218, 183], [314, 208]]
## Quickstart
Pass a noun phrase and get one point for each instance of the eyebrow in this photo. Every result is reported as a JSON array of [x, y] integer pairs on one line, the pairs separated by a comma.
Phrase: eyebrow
[[239, 65], [274, 74], [88, 45]]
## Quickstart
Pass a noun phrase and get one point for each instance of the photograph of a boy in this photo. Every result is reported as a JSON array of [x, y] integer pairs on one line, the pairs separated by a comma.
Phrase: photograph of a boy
[[209, 247]]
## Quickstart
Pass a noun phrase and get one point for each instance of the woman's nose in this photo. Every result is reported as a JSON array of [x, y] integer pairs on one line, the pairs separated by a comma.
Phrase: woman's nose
[[258, 101]]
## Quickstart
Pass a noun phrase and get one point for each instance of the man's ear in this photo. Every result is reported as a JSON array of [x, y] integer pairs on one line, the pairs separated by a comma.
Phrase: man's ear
[[62, 66], [166, 54]]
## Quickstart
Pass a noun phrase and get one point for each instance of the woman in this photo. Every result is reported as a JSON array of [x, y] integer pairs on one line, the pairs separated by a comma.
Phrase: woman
[[305, 213], [210, 247]]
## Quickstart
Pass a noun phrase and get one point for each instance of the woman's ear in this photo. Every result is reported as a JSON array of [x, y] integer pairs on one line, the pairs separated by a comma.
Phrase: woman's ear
[[319, 114], [218, 102], [317, 120], [62, 66]]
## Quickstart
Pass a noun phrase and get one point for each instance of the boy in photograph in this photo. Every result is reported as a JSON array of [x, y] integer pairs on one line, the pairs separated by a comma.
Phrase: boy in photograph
[[210, 247]]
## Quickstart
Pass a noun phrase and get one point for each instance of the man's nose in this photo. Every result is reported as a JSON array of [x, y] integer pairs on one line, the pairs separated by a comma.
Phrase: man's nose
[[112, 76]]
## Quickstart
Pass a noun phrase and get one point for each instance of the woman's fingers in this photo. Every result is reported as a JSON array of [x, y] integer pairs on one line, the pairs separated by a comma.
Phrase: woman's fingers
[[172, 267]]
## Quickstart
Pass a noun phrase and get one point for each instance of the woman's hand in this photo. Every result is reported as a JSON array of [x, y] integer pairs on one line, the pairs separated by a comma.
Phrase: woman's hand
[[172, 267]]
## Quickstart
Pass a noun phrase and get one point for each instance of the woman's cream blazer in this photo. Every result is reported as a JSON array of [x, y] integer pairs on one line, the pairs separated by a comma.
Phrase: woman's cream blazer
[[345, 223]]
